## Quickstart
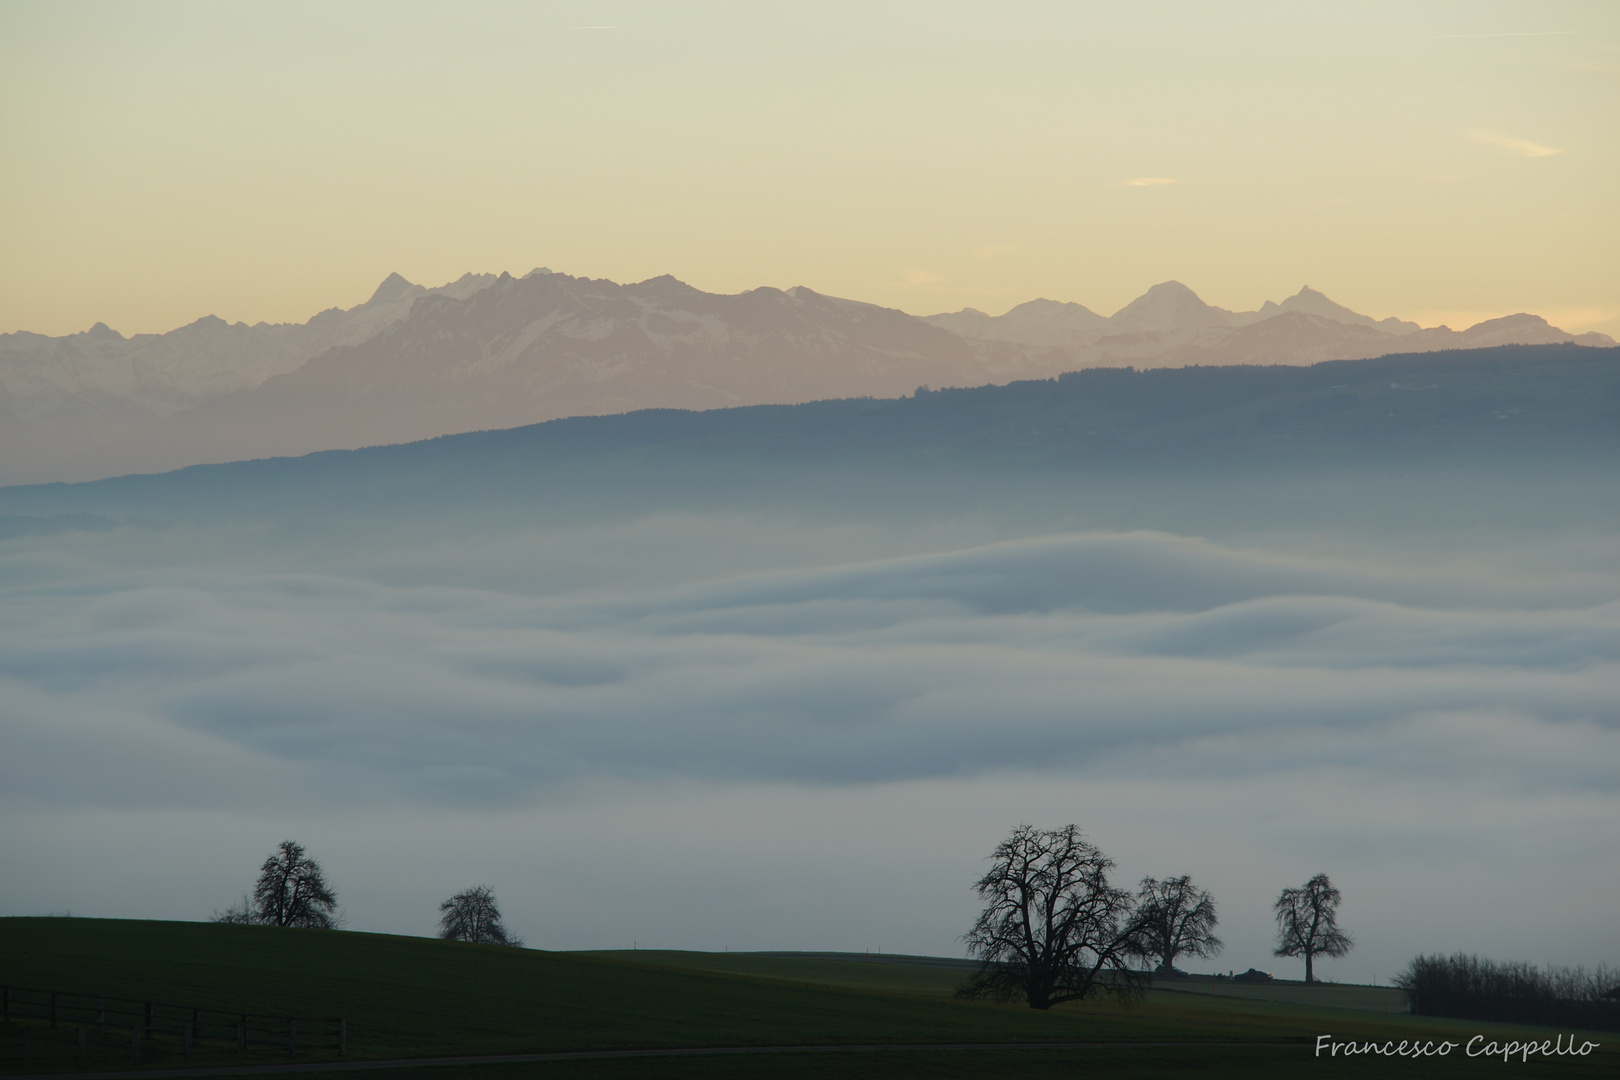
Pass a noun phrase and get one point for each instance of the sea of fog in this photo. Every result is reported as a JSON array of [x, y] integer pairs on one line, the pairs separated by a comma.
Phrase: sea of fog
[[765, 726]]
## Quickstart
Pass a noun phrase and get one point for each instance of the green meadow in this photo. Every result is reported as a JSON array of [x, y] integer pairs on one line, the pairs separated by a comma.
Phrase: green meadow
[[405, 997]]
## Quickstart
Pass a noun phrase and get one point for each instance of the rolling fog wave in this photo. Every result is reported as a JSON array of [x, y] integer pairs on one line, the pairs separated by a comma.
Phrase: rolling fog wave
[[816, 749], [1066, 652]]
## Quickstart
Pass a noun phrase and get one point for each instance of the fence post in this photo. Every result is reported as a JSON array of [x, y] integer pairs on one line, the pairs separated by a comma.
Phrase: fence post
[[343, 1037], [81, 1044], [292, 1038]]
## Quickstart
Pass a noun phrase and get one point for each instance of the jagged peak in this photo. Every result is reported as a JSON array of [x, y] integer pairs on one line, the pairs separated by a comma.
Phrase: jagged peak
[[1169, 304], [1041, 303], [102, 330], [394, 287], [1521, 318], [1173, 292], [1171, 287], [664, 289]]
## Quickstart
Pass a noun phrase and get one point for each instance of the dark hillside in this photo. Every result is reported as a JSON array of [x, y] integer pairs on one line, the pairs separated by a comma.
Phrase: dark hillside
[[417, 997], [1514, 408], [424, 996]]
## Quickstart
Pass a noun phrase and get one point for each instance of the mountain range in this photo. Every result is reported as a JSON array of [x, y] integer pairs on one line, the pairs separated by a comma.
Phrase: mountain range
[[494, 351], [1169, 326]]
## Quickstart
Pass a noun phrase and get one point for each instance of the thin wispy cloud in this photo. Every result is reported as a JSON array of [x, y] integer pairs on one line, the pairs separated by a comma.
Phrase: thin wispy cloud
[[914, 276], [1466, 37], [1150, 181], [1522, 147], [1508, 34]]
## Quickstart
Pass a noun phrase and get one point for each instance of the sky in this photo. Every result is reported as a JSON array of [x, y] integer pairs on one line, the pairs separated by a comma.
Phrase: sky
[[1444, 162]]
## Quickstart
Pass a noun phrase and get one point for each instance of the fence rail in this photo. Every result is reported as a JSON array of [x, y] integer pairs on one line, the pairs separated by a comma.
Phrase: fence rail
[[60, 1023]]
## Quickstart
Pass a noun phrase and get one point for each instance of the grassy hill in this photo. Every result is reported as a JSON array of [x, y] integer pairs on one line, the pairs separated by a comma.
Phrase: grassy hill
[[412, 997]]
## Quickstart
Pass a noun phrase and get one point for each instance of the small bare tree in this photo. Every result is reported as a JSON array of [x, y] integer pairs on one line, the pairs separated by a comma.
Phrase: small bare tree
[[241, 912], [1308, 923], [1053, 929], [292, 891], [1176, 917], [472, 916]]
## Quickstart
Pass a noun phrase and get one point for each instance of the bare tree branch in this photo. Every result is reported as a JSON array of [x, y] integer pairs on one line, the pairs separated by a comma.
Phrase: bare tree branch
[[1053, 929], [473, 916], [1308, 923], [1176, 917], [292, 891], [240, 912]]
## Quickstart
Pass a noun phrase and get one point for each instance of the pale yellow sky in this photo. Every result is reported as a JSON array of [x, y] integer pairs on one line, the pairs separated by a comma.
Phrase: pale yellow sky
[[1440, 161]]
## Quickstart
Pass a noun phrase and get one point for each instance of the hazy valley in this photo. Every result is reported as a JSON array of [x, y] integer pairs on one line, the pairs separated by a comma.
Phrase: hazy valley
[[1237, 620]]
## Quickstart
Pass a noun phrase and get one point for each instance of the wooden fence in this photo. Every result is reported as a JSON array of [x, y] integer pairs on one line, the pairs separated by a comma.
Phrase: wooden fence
[[43, 1025]]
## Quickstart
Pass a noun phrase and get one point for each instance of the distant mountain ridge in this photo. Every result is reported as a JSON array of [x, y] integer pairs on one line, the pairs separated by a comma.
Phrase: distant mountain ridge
[[1312, 302], [1170, 309], [550, 345], [99, 371], [493, 351]]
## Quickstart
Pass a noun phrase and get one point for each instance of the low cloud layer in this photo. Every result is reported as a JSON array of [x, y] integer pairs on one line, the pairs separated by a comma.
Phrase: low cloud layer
[[1250, 716]]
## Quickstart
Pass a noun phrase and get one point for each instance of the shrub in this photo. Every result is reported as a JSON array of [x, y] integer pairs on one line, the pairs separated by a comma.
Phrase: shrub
[[1470, 988]]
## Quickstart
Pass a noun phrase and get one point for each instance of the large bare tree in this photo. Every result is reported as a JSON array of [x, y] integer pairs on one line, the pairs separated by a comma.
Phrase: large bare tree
[[292, 891], [472, 915], [1176, 918], [1308, 923], [1053, 928]]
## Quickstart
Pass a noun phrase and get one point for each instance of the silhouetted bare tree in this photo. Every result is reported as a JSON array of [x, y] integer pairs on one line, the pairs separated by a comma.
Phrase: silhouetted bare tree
[[1176, 917], [473, 916], [1053, 929], [1308, 923], [237, 913], [292, 891]]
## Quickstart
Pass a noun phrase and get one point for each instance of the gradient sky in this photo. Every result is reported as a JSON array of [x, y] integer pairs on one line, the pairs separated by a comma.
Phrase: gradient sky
[[1443, 161]]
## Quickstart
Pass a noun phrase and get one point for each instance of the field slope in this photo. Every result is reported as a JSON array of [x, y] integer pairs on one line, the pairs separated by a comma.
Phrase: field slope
[[412, 997]]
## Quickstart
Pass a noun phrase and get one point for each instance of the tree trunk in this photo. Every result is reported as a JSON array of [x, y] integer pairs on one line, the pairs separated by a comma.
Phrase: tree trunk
[[1308, 978]]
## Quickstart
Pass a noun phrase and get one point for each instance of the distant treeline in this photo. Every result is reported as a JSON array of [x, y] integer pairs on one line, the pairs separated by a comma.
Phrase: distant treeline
[[1470, 988]]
